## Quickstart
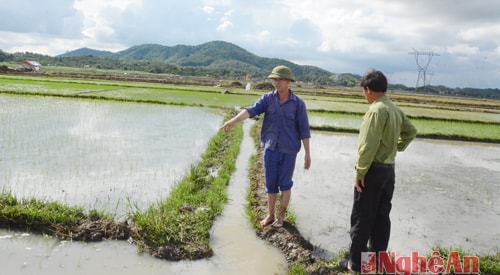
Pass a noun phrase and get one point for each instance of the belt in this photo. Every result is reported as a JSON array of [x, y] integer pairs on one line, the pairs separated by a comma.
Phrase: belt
[[383, 165]]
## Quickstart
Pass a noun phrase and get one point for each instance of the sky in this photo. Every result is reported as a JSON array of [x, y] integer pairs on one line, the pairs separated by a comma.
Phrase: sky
[[455, 42]]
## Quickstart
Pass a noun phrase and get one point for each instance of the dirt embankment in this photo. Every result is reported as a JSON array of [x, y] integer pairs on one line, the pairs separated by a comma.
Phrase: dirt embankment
[[287, 238], [95, 231]]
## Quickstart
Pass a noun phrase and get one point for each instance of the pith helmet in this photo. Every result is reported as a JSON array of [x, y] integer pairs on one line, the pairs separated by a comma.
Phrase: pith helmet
[[281, 72]]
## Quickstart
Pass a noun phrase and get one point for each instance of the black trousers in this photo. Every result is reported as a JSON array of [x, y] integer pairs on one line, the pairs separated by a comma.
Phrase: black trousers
[[370, 213]]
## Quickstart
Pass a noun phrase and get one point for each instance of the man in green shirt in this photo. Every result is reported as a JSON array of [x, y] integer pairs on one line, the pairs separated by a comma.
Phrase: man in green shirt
[[385, 130]]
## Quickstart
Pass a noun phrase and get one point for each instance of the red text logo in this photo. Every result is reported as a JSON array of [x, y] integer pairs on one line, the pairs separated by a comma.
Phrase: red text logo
[[417, 264]]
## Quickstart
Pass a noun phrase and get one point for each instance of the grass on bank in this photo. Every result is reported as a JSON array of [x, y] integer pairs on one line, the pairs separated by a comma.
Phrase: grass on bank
[[44, 217], [33, 213], [180, 225]]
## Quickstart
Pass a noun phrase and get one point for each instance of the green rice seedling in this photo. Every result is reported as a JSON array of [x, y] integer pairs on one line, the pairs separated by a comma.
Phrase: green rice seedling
[[125, 91], [462, 130], [455, 129]]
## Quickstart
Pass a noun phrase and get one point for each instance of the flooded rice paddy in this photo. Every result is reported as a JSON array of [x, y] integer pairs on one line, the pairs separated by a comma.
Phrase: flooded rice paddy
[[97, 154], [108, 155], [237, 249], [446, 194]]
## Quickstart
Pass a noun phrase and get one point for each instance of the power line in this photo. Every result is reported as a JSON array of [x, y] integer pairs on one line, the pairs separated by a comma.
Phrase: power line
[[422, 69]]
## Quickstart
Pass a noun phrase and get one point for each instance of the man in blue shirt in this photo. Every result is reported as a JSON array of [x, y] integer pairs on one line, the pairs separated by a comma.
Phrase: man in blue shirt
[[285, 125]]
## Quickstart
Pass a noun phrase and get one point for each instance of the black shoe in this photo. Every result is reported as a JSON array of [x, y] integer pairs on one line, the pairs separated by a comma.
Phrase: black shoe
[[344, 265]]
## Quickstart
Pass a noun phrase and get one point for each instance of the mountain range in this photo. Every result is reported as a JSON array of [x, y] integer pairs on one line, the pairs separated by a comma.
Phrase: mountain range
[[211, 55], [217, 59]]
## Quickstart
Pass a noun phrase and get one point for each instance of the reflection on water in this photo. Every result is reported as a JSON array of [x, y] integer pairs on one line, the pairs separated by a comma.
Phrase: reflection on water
[[101, 151], [340, 120], [446, 194], [26, 254], [98, 154]]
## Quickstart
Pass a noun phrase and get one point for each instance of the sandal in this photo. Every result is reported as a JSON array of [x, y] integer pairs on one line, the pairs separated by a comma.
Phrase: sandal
[[278, 223]]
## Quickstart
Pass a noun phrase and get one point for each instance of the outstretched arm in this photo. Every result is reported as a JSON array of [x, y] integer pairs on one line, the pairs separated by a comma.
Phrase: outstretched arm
[[237, 118]]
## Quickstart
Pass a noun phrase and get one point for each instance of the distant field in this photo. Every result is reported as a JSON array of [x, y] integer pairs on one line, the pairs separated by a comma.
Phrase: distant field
[[330, 108], [458, 129], [129, 91]]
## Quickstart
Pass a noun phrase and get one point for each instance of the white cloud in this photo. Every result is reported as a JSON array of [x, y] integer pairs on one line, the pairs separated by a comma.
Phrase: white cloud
[[462, 49], [222, 3], [208, 9], [99, 15], [259, 37], [481, 33], [224, 25], [225, 21], [340, 36]]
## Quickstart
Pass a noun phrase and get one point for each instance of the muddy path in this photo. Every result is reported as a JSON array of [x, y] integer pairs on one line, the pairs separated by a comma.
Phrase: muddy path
[[288, 239]]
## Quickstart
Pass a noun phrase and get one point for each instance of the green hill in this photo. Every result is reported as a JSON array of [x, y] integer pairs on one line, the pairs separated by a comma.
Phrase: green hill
[[86, 51], [216, 59], [218, 55]]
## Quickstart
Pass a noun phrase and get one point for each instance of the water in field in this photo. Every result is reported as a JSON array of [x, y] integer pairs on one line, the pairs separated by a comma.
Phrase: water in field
[[446, 194], [337, 120], [165, 139], [110, 155], [96, 154]]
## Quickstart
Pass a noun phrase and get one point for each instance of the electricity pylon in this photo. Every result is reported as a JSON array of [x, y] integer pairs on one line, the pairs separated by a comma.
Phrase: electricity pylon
[[422, 69]]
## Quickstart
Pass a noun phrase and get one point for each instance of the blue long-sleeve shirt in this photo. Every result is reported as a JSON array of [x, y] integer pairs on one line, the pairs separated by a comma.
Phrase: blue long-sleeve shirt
[[284, 125]]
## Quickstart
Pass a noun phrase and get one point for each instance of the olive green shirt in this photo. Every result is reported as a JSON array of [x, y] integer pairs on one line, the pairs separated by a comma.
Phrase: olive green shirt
[[384, 131]]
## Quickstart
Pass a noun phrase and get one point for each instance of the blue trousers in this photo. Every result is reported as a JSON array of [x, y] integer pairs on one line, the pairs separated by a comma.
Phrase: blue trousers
[[278, 170]]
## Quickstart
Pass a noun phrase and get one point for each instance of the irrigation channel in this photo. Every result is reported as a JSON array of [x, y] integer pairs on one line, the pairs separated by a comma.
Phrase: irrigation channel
[[105, 155], [446, 191]]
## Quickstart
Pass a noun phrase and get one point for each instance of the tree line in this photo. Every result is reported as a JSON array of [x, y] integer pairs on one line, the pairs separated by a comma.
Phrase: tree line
[[235, 70]]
